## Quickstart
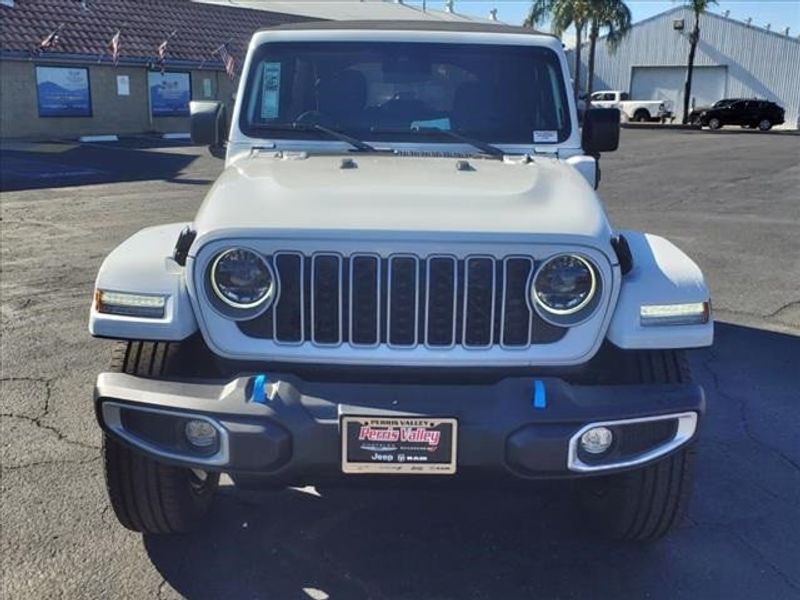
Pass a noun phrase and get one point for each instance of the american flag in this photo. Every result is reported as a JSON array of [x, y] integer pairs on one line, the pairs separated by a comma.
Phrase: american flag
[[162, 50], [51, 39], [113, 45], [227, 60]]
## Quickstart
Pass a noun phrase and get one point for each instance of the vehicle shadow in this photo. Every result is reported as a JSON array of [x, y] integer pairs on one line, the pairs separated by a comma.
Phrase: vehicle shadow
[[503, 544], [31, 165]]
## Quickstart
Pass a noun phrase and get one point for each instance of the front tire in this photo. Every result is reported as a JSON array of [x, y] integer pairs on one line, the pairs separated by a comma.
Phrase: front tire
[[148, 496], [714, 123], [645, 504], [764, 125]]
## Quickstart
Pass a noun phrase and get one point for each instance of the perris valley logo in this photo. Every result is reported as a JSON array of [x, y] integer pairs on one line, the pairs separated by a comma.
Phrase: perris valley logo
[[400, 434]]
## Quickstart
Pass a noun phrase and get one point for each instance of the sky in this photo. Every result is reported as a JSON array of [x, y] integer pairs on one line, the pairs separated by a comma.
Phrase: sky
[[779, 13]]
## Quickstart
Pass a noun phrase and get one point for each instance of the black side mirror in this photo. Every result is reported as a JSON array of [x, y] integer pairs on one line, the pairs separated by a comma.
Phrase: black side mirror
[[600, 130], [209, 125]]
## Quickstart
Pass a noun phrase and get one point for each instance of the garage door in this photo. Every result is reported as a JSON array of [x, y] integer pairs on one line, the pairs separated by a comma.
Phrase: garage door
[[666, 83]]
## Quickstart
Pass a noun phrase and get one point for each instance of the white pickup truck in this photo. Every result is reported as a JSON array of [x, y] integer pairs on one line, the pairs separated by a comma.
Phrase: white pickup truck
[[632, 110]]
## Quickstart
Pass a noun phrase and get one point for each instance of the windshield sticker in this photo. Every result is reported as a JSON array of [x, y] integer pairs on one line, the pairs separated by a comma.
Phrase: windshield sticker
[[443, 124], [545, 137], [270, 90]]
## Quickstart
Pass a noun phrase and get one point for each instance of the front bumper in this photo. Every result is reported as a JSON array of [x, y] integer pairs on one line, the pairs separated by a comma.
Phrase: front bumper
[[287, 431]]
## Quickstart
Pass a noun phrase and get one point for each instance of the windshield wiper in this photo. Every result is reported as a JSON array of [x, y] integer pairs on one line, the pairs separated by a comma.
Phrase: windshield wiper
[[355, 143], [484, 147]]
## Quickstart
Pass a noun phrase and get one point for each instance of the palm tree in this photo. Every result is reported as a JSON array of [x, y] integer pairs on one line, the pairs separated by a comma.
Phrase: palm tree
[[698, 7], [562, 15], [613, 15]]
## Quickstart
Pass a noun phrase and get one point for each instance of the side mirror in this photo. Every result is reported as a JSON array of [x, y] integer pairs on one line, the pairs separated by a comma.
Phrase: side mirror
[[600, 130], [209, 125]]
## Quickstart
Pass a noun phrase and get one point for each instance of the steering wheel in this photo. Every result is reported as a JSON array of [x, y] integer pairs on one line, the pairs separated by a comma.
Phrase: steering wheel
[[310, 116]]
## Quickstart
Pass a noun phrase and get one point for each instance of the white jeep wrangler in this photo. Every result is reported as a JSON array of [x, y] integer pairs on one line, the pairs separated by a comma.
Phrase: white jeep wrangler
[[403, 273]]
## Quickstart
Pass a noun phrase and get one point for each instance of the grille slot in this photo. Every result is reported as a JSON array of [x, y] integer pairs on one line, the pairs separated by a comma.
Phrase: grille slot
[[441, 301], [403, 301], [326, 299], [365, 305], [516, 315], [289, 313], [479, 304]]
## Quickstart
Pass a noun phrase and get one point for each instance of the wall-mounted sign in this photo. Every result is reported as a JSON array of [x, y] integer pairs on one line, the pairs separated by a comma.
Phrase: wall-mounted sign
[[63, 92], [169, 93], [123, 85]]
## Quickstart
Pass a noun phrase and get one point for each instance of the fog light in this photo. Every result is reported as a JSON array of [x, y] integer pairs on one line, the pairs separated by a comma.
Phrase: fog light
[[597, 440], [200, 434]]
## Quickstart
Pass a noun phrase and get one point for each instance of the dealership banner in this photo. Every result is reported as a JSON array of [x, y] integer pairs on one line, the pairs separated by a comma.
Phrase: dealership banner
[[63, 92], [170, 93]]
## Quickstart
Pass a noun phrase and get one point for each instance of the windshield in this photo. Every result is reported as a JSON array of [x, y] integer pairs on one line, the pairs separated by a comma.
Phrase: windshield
[[406, 92]]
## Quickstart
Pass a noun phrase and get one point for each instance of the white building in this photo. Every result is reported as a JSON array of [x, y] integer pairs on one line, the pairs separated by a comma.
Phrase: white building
[[734, 60], [360, 10]]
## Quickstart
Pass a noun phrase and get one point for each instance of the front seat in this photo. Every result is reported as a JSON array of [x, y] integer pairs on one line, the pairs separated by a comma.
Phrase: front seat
[[475, 108], [341, 98]]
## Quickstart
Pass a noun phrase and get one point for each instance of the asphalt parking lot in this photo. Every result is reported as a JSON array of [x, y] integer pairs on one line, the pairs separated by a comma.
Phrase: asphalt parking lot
[[731, 200]]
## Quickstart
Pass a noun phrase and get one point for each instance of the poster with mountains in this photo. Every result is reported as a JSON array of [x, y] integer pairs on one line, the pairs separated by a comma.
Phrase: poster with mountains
[[63, 92], [170, 94]]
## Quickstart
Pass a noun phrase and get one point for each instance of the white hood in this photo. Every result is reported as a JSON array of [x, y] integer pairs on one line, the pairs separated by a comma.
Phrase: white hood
[[389, 193]]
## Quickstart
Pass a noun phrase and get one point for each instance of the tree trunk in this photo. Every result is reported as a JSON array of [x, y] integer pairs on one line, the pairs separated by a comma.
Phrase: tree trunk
[[577, 82], [694, 37], [593, 33]]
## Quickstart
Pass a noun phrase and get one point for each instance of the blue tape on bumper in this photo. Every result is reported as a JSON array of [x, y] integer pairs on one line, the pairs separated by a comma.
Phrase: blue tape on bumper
[[259, 395], [539, 394]]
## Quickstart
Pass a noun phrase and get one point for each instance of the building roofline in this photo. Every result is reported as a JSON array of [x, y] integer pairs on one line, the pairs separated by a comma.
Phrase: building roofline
[[682, 7]]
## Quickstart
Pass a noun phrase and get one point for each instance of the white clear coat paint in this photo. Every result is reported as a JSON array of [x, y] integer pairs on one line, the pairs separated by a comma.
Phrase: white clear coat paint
[[388, 204]]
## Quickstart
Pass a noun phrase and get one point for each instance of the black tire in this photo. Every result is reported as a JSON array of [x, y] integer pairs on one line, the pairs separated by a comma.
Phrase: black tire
[[645, 504], [764, 125], [714, 123], [641, 115], [148, 496]]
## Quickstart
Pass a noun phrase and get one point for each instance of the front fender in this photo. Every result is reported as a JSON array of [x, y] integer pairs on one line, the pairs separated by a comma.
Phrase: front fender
[[661, 274], [143, 264]]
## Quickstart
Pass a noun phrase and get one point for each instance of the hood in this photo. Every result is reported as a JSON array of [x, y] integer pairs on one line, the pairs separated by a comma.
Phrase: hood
[[394, 193]]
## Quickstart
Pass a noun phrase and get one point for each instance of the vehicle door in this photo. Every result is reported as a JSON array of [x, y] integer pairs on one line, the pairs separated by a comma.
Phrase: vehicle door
[[734, 113], [604, 100]]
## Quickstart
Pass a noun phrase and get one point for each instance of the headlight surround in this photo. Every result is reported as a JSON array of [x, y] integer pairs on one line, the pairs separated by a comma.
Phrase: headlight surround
[[243, 280], [565, 289]]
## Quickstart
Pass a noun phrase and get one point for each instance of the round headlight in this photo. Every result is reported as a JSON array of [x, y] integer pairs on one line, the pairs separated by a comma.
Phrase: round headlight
[[564, 284], [241, 278]]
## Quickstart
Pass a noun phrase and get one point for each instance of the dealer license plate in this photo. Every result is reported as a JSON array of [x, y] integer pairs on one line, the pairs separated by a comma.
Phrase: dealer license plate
[[402, 445]]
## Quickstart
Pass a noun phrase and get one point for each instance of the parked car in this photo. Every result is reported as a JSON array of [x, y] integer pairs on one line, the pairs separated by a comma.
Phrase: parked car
[[745, 112], [632, 110], [403, 273]]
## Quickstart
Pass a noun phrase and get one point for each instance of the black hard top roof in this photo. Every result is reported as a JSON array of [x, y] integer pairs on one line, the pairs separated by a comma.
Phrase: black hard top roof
[[408, 25]]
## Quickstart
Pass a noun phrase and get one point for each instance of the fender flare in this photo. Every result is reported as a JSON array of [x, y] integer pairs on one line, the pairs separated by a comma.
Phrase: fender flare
[[661, 274], [143, 264]]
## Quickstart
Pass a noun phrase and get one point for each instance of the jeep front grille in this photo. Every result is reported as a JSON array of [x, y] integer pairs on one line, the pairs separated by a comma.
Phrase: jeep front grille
[[402, 301]]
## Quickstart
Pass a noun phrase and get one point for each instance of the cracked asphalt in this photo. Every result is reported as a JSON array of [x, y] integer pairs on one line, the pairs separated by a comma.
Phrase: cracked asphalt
[[731, 200]]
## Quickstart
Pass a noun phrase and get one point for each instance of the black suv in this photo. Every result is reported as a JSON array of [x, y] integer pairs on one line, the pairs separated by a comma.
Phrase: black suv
[[746, 112]]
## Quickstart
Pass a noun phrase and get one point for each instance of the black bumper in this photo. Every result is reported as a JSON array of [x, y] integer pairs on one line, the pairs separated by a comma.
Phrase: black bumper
[[291, 434]]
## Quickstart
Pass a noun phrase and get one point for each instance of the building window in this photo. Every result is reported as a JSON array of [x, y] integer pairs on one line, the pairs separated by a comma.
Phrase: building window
[[170, 93], [63, 92]]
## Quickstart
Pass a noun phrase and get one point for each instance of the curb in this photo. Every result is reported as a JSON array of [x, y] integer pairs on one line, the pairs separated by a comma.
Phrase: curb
[[99, 138], [666, 126]]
